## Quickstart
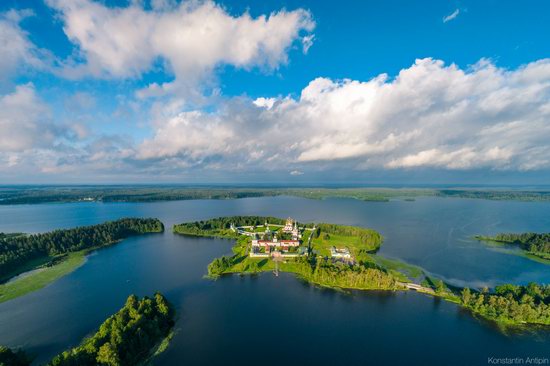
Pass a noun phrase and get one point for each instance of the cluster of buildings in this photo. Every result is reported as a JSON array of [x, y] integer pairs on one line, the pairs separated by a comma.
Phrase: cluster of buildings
[[270, 243], [265, 243]]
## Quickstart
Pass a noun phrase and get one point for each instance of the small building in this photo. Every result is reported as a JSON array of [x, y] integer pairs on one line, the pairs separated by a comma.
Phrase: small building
[[340, 253]]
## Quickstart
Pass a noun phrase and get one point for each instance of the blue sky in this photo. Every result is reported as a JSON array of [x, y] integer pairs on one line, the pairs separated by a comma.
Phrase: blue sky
[[275, 91]]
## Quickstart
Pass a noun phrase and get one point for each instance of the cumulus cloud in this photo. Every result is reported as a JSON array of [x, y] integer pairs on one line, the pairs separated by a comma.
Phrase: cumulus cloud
[[16, 50], [190, 39], [429, 115], [451, 16], [33, 142], [25, 121], [265, 102]]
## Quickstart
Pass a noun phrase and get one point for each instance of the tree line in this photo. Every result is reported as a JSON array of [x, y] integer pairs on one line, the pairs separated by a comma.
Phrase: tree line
[[126, 338], [511, 303], [221, 226], [124, 194], [327, 272], [15, 251], [531, 242], [322, 271]]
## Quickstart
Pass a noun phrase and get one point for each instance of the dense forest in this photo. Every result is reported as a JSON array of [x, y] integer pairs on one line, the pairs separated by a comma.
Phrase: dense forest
[[31, 195], [126, 338], [17, 250], [511, 303], [496, 195], [530, 242], [9, 357], [326, 272]]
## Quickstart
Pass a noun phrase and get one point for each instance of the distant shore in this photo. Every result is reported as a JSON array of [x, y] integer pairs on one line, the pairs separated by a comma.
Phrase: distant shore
[[12, 195]]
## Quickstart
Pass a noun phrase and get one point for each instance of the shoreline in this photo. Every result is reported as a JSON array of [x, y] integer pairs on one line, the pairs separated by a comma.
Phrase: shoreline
[[370, 273], [44, 277], [510, 248], [40, 276]]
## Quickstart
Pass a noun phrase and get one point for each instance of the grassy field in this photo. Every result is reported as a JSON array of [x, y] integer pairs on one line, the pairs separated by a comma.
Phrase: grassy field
[[323, 245], [29, 266], [41, 278], [404, 271]]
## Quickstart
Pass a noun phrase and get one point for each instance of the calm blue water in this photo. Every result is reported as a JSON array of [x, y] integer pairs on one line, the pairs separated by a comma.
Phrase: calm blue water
[[268, 320]]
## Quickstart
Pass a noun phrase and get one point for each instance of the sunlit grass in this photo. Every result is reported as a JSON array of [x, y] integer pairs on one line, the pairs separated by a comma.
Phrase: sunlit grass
[[42, 278]]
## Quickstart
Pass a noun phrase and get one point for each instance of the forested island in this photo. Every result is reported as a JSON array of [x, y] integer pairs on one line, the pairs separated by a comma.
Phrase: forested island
[[132, 336], [43, 258], [11, 195], [511, 304], [537, 245]]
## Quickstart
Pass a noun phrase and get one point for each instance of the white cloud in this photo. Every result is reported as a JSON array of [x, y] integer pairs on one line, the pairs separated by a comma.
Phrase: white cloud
[[265, 102], [16, 50], [451, 16], [190, 39], [25, 121], [430, 115], [31, 141], [186, 134], [307, 42]]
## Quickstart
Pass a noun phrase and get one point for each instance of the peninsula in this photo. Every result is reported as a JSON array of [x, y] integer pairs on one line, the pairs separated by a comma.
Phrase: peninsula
[[533, 245], [30, 262]]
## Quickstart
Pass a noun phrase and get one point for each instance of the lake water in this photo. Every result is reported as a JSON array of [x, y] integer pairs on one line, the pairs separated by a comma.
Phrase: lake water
[[281, 320]]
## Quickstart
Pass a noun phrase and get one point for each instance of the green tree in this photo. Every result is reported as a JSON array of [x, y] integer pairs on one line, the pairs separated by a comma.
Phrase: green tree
[[9, 357], [439, 286], [108, 355], [466, 296]]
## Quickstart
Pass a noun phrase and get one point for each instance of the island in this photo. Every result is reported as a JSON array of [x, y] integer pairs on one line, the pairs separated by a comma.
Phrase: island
[[134, 335], [30, 262], [329, 255], [533, 245], [344, 257]]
